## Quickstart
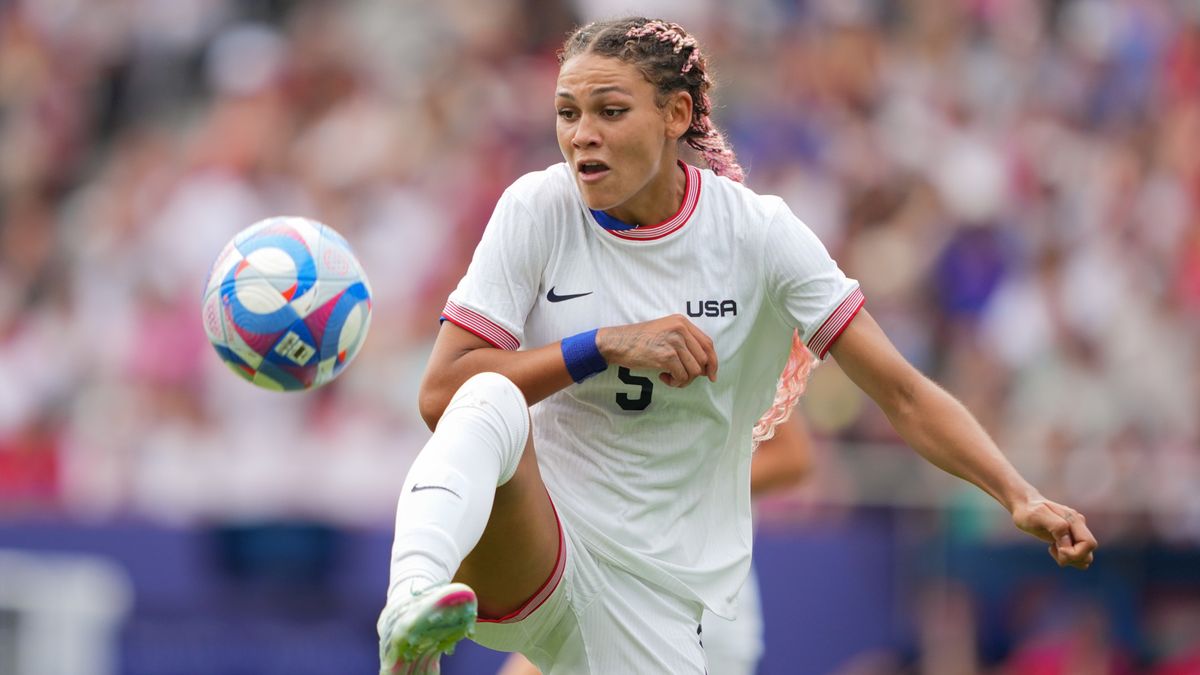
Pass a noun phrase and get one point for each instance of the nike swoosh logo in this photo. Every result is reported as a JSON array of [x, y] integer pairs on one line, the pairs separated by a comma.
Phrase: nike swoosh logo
[[418, 488], [554, 297]]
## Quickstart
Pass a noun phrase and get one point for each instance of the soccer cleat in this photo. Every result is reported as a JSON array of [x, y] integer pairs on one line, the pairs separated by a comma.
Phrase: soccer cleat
[[416, 631]]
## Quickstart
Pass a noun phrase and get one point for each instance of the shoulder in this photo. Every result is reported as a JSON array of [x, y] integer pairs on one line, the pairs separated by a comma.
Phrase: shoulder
[[533, 209], [734, 201], [543, 191]]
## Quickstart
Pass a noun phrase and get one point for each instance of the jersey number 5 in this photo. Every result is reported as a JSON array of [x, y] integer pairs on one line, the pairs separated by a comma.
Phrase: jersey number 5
[[643, 398]]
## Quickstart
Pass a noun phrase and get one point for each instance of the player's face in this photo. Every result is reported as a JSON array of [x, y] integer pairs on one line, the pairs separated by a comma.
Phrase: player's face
[[616, 138]]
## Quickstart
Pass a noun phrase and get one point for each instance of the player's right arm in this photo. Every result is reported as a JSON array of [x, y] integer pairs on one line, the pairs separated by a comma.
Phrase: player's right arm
[[673, 345], [458, 354]]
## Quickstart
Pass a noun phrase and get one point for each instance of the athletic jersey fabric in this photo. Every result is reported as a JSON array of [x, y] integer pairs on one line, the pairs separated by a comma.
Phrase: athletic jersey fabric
[[656, 478]]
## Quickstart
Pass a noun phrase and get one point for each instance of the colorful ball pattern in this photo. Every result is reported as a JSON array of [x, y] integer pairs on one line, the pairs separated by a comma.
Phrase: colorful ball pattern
[[287, 304]]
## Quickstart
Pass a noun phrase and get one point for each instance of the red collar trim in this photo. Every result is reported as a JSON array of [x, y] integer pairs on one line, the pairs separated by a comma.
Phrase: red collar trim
[[691, 197]]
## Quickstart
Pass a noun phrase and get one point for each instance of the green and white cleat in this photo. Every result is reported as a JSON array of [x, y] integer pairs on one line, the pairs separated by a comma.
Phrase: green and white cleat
[[416, 631]]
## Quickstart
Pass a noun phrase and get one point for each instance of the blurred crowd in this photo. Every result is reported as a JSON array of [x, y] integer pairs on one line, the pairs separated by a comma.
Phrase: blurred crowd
[[1016, 183]]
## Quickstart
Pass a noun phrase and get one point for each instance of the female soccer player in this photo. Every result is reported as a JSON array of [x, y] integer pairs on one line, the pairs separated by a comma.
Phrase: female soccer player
[[646, 306]]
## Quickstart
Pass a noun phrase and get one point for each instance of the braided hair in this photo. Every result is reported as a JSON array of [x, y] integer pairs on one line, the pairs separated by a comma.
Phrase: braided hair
[[671, 60], [792, 382]]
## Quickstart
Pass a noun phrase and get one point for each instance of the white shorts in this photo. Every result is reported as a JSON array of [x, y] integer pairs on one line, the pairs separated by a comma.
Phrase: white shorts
[[593, 618], [735, 647]]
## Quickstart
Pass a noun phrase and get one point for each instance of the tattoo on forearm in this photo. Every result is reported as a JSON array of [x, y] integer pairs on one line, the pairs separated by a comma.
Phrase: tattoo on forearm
[[629, 341]]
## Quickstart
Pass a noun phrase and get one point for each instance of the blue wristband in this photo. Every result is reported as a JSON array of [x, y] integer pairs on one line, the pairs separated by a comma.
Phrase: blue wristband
[[582, 356]]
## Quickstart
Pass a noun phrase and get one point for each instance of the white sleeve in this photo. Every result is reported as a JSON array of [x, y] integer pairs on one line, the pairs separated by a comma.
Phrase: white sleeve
[[501, 285], [805, 284]]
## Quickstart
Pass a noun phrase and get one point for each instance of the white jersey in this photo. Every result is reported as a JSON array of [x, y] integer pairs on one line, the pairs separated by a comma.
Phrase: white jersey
[[655, 478]]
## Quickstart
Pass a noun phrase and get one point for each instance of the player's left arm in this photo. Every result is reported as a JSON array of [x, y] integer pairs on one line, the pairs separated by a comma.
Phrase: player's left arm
[[941, 429]]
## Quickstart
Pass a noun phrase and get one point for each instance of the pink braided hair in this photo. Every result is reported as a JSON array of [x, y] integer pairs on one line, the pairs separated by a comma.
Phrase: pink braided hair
[[711, 145], [673, 33], [792, 382], [703, 136]]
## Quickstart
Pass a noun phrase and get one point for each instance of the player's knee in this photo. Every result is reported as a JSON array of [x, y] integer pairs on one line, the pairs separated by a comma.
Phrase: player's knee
[[499, 403], [496, 389]]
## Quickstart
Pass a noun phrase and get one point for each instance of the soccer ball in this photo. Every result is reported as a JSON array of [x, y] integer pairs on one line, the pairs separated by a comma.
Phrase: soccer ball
[[287, 304]]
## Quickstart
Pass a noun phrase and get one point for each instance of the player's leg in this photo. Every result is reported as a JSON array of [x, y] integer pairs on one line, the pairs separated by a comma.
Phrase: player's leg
[[519, 547], [735, 647], [475, 482], [633, 627], [608, 621], [517, 664]]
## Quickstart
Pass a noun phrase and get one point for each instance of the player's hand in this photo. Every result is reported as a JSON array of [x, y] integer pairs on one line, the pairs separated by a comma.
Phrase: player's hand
[[1071, 542], [672, 345]]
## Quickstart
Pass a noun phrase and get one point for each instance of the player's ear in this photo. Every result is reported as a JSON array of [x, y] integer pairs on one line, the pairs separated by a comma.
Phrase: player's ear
[[678, 114]]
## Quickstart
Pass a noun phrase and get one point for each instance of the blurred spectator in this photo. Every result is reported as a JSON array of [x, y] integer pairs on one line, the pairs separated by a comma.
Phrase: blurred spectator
[[1076, 642]]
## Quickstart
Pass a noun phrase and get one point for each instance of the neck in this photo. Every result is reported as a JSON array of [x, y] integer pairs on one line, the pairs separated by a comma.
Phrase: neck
[[659, 200]]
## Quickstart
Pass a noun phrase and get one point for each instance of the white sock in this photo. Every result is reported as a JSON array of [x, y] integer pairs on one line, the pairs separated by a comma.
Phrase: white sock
[[447, 496]]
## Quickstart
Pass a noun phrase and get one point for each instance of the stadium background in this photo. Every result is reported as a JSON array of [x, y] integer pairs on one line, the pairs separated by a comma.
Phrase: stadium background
[[1015, 182]]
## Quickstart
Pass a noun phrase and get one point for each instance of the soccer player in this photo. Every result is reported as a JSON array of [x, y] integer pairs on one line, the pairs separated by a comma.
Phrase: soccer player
[[646, 306]]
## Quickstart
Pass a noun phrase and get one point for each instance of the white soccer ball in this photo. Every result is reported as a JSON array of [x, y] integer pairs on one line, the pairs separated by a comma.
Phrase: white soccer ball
[[287, 305]]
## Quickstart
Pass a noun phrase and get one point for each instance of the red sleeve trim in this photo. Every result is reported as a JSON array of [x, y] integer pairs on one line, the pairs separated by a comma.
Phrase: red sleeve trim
[[481, 326], [837, 321]]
